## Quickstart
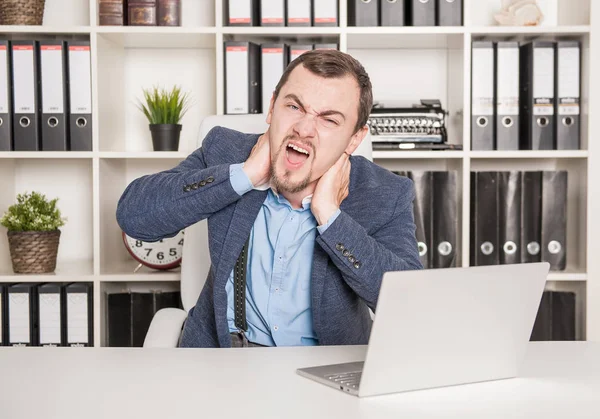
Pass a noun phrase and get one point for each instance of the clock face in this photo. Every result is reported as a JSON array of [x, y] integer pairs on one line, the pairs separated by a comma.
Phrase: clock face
[[163, 254]]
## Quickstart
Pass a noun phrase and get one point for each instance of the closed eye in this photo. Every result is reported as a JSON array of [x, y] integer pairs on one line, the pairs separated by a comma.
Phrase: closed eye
[[293, 107]]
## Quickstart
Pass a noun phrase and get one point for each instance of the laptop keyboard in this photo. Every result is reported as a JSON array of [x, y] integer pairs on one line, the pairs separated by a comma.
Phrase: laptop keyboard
[[349, 379]]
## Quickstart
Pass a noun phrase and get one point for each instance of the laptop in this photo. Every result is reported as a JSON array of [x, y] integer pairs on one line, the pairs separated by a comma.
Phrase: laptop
[[442, 327]]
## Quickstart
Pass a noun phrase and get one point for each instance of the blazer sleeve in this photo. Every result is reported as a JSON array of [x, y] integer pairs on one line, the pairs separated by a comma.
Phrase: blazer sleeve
[[363, 258], [159, 205]]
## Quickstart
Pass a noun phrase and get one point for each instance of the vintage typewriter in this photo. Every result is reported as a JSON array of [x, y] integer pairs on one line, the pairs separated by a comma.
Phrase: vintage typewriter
[[402, 127]]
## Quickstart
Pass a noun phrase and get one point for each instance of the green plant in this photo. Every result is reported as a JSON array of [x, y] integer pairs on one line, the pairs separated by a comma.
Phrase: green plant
[[33, 212], [164, 107]]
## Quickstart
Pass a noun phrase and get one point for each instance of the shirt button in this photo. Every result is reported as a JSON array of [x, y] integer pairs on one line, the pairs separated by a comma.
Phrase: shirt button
[[276, 328], [276, 289]]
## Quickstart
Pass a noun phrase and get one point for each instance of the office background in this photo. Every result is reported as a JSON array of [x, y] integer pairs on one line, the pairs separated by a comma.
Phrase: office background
[[406, 63]]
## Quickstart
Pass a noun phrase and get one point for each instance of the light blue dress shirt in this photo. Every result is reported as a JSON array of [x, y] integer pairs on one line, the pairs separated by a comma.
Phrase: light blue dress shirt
[[280, 255]]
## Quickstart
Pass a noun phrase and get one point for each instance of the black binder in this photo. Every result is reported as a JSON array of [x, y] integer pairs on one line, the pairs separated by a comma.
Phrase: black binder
[[482, 96], [79, 309], [6, 140], [51, 315], [80, 95], [556, 317], [445, 220], [241, 12], [363, 12], [3, 315], [568, 92], [243, 87], [484, 219], [25, 87], [393, 12], [531, 214], [52, 71], [506, 93], [449, 13], [22, 314], [422, 12], [509, 217], [554, 219], [423, 181], [537, 95]]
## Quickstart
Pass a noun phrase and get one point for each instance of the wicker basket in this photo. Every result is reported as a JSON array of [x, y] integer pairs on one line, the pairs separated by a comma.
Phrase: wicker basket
[[22, 12], [33, 251]]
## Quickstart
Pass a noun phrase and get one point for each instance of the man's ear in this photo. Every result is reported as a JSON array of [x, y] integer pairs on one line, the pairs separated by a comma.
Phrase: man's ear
[[270, 113], [357, 139]]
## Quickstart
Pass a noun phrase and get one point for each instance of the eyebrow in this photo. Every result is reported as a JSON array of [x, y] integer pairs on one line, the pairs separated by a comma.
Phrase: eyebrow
[[328, 112]]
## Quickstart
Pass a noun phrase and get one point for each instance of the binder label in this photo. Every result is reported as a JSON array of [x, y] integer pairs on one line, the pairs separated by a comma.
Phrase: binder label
[[77, 317], [18, 317], [52, 79], [483, 81], [81, 80], [568, 81], [508, 81], [24, 79], [543, 81], [50, 326], [3, 79], [240, 11]]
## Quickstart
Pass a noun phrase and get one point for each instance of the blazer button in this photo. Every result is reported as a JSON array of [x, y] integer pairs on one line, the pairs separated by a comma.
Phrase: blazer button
[[187, 188], [357, 264], [203, 183], [339, 246], [194, 186], [210, 179], [346, 253], [352, 259]]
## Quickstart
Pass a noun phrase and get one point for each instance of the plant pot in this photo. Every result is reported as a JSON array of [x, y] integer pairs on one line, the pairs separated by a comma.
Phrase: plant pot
[[22, 12], [165, 137], [33, 251]]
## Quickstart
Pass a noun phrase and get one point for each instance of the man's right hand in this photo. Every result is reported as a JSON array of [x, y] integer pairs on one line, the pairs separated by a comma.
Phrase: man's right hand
[[258, 165]]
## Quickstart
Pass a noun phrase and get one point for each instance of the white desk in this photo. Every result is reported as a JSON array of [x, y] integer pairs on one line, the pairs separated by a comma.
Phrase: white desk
[[559, 380]]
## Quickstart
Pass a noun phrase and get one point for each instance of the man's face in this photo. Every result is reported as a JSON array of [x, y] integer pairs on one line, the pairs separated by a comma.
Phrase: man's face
[[311, 125]]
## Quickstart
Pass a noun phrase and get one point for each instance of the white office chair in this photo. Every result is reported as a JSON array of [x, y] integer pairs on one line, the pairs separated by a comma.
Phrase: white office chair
[[166, 326]]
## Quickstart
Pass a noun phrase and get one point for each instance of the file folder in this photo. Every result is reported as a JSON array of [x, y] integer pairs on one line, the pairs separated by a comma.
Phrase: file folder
[[554, 218], [52, 71], [6, 142], [445, 219], [80, 96], [537, 95], [568, 92], [484, 219], [274, 62], [556, 317], [449, 13], [507, 95], [272, 12], [325, 12], [531, 214], [243, 93], [241, 12], [422, 12], [51, 316], [423, 184], [482, 96], [393, 12], [299, 12], [363, 12], [25, 85], [22, 314], [509, 217], [3, 316], [79, 309], [298, 49]]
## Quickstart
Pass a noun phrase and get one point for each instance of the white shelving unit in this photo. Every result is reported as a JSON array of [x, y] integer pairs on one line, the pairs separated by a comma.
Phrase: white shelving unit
[[405, 63]]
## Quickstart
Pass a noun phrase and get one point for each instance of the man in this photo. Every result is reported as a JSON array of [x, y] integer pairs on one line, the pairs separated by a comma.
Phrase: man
[[302, 229]]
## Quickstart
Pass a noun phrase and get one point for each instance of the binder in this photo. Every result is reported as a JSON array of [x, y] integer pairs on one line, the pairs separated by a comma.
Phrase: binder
[[25, 85], [537, 95], [422, 12], [531, 214], [556, 318], [22, 314], [484, 219], [326, 46], [299, 12], [449, 13], [296, 50], [274, 61], [52, 72], [554, 218], [445, 219], [325, 12], [506, 82], [80, 96], [363, 12], [568, 92], [509, 217], [272, 12], [482, 96], [241, 12], [79, 308], [243, 93], [3, 315], [393, 12], [423, 214], [50, 314], [6, 141]]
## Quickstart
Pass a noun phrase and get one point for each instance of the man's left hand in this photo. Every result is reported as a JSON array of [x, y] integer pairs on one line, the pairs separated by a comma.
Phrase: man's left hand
[[331, 190]]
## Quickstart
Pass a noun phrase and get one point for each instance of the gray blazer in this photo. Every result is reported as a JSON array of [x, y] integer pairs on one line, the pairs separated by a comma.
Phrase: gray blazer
[[375, 229]]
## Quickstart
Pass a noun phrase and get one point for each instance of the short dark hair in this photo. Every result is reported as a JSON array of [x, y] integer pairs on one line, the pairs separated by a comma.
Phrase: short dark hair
[[329, 63]]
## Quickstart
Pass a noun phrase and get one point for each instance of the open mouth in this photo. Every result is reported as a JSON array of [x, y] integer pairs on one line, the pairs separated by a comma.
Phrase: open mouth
[[296, 154]]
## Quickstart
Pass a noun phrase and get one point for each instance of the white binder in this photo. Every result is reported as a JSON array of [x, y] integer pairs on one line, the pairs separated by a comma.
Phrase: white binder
[[325, 12], [77, 319], [50, 315], [5, 100], [272, 12], [80, 95], [273, 66], [299, 12], [19, 321]]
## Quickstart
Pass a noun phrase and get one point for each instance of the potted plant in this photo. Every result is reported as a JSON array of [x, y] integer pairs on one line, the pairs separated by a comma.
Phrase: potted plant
[[22, 12], [164, 110], [33, 234]]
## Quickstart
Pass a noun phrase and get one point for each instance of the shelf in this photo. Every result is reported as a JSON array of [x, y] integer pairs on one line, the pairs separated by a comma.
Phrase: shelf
[[35, 29], [281, 31], [418, 154], [529, 154], [143, 154], [46, 155], [158, 37], [124, 272], [66, 271], [529, 30], [567, 276]]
